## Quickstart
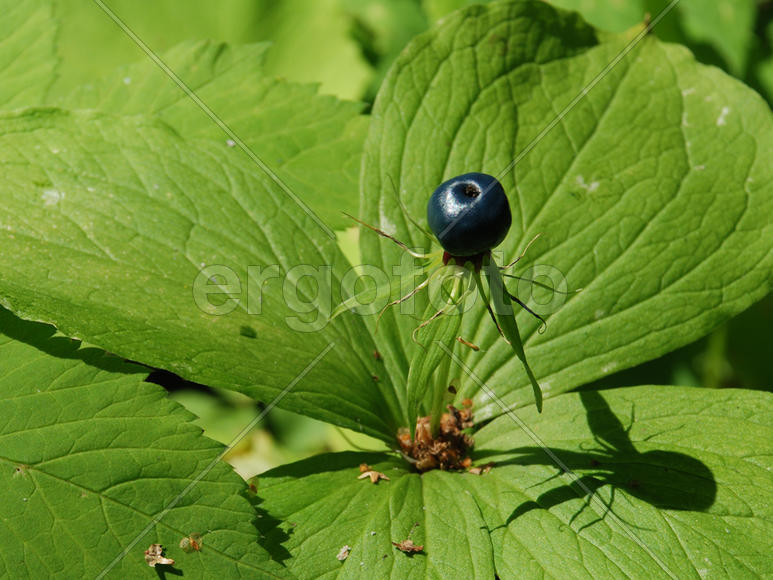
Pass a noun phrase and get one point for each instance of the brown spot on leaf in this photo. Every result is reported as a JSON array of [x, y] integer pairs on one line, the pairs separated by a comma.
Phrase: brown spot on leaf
[[191, 543]]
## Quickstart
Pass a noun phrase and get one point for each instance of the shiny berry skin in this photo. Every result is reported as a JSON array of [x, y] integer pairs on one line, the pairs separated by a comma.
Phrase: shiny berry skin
[[469, 214]]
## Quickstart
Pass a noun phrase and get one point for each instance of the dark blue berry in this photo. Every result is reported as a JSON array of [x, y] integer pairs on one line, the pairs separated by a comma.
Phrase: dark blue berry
[[469, 214]]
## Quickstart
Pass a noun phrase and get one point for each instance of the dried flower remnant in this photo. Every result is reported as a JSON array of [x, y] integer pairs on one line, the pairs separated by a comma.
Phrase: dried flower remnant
[[343, 554], [155, 555], [407, 546], [467, 343], [366, 471], [191, 543], [448, 450], [482, 469]]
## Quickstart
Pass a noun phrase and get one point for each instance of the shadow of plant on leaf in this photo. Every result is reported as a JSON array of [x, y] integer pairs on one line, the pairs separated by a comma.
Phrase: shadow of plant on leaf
[[665, 479]]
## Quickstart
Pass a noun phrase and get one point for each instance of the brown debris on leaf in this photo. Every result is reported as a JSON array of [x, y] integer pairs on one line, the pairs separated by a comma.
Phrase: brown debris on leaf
[[155, 555], [448, 450], [366, 471], [343, 553], [481, 469], [407, 544], [191, 543]]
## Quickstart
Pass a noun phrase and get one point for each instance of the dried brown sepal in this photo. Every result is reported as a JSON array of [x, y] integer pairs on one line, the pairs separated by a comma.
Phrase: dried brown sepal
[[366, 471], [448, 450], [407, 546], [481, 469], [468, 344], [155, 555], [404, 440]]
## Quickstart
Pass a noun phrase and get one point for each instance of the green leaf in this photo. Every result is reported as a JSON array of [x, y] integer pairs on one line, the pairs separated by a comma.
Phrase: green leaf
[[327, 507], [505, 314], [685, 477], [90, 44], [718, 32], [653, 193], [27, 53], [313, 142], [117, 230], [427, 382], [91, 454], [686, 474], [313, 43]]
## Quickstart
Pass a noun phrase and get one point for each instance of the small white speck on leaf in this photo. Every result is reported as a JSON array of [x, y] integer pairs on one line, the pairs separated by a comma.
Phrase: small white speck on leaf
[[127, 80], [722, 119], [51, 197], [689, 91], [231, 143], [387, 226], [599, 314], [589, 187], [608, 368]]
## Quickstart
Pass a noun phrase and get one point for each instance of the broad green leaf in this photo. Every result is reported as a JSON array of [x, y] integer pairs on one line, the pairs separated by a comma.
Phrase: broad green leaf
[[27, 53], [686, 474], [685, 477], [720, 32], [327, 507], [313, 142], [90, 44], [313, 42], [115, 230], [91, 454], [653, 193]]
